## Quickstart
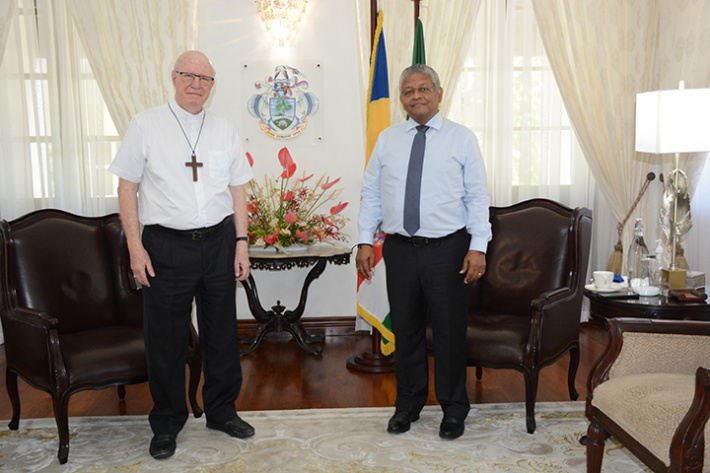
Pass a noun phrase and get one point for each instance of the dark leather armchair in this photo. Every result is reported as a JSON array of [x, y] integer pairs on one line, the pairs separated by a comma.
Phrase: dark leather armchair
[[71, 314], [524, 312]]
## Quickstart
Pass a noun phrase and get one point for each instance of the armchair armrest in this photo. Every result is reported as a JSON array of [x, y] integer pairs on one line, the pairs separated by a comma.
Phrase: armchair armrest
[[555, 319], [687, 450], [32, 344]]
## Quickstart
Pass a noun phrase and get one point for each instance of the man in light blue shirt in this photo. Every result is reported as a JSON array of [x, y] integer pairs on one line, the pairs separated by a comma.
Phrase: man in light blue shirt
[[430, 264]]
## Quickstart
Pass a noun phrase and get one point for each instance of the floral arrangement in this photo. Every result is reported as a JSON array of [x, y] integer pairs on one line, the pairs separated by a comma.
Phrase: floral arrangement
[[283, 211]]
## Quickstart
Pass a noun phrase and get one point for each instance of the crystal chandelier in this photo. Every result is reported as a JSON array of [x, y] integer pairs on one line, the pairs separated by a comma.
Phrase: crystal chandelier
[[281, 17]]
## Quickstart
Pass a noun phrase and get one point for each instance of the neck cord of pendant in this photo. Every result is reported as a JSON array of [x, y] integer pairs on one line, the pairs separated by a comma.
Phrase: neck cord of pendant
[[192, 148]]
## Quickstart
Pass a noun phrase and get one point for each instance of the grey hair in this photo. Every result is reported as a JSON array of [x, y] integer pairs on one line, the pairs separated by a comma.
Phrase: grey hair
[[420, 69]]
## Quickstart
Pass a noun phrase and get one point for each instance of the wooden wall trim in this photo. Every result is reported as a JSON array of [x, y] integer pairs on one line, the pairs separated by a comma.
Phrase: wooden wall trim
[[327, 325]]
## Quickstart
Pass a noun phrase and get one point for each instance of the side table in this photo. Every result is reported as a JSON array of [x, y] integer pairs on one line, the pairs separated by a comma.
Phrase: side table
[[602, 306], [278, 319]]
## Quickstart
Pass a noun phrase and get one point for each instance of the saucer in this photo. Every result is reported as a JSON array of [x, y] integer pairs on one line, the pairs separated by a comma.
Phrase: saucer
[[593, 288], [647, 291]]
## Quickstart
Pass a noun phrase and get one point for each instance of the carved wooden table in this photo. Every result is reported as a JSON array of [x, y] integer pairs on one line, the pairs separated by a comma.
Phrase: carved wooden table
[[278, 319]]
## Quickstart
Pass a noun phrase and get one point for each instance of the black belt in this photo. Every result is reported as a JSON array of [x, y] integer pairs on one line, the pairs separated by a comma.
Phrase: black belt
[[198, 233], [423, 241]]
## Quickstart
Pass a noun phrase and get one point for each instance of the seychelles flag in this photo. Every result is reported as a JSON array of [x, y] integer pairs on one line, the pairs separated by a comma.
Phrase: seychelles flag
[[372, 304]]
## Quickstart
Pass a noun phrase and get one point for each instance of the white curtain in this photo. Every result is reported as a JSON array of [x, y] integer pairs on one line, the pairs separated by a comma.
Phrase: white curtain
[[132, 46], [508, 96], [6, 9], [604, 53], [50, 118]]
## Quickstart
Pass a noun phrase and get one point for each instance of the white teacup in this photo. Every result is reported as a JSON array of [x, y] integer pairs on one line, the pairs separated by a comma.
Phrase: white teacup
[[603, 279]]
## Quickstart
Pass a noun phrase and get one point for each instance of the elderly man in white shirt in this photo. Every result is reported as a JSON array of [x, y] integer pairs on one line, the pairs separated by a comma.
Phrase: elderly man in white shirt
[[425, 184], [182, 172]]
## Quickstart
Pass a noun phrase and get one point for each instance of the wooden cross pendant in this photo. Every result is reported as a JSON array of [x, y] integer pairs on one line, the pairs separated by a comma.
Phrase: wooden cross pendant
[[194, 165]]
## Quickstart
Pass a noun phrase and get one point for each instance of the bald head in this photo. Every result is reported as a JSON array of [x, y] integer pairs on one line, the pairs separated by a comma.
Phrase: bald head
[[192, 56]]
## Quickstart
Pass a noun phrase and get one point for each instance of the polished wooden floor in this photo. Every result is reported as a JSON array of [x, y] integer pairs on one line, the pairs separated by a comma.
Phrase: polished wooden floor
[[279, 375]]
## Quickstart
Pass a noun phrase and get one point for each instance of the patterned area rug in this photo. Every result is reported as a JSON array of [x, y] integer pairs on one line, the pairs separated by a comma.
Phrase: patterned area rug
[[322, 440]]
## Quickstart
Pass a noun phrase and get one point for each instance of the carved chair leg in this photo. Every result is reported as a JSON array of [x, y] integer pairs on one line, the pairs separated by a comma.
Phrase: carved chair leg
[[596, 436], [573, 365], [122, 392], [530, 397], [11, 384], [61, 408]]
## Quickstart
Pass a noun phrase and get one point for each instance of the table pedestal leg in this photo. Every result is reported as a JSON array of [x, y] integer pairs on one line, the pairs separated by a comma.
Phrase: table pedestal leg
[[278, 319]]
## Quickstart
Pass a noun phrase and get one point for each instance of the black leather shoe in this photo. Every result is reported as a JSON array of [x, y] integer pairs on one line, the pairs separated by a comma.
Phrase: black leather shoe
[[451, 428], [401, 421], [235, 427], [162, 446]]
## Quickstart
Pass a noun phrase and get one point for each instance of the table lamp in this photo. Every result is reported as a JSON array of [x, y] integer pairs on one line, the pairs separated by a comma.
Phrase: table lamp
[[673, 121]]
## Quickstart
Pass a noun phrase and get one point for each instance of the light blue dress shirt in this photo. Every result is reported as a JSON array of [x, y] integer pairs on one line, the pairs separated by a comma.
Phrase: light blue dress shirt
[[453, 193]]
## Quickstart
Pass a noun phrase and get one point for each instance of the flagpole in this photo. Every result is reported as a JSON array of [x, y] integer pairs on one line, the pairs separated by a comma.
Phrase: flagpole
[[373, 361]]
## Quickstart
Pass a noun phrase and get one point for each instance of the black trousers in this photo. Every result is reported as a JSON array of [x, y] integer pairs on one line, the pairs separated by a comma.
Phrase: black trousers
[[187, 269], [424, 279]]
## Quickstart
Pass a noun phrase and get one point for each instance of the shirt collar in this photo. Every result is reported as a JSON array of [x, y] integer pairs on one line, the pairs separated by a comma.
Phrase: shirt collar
[[434, 122]]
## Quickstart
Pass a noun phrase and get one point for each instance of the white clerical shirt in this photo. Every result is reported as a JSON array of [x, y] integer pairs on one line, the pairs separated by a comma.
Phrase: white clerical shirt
[[453, 191], [153, 153]]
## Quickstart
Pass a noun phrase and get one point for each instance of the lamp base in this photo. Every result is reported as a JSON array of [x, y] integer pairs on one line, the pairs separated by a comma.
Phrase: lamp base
[[673, 278]]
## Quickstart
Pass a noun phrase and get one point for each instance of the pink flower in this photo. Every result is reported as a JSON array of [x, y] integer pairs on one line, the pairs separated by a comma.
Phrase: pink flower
[[290, 217], [327, 185], [302, 235], [287, 163], [271, 239], [338, 208], [287, 196]]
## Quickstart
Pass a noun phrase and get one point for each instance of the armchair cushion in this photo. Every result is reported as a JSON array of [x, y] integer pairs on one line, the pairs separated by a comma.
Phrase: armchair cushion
[[649, 407], [104, 356]]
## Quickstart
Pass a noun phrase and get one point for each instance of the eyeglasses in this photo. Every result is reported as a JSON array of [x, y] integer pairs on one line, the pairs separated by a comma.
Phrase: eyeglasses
[[422, 91], [188, 77]]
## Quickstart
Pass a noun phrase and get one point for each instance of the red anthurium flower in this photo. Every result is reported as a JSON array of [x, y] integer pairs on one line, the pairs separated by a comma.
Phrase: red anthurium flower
[[289, 171], [290, 217], [338, 208], [287, 196], [271, 239], [302, 235], [327, 185], [251, 207], [285, 158], [250, 159], [287, 163]]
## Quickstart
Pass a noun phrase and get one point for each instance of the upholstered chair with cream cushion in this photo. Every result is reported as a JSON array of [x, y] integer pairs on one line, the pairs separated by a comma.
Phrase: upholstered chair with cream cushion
[[651, 391]]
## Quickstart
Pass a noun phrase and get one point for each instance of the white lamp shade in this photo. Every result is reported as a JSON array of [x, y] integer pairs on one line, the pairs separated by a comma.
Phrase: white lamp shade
[[673, 121]]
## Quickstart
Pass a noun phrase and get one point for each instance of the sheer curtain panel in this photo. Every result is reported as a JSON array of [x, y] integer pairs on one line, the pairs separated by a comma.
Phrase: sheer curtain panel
[[604, 53], [132, 46], [508, 96]]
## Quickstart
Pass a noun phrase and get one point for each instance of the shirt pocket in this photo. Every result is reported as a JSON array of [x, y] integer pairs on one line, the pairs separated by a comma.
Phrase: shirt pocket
[[219, 164]]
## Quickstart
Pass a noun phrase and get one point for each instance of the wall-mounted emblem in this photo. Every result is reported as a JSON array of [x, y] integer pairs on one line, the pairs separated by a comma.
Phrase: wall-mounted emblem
[[282, 104]]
